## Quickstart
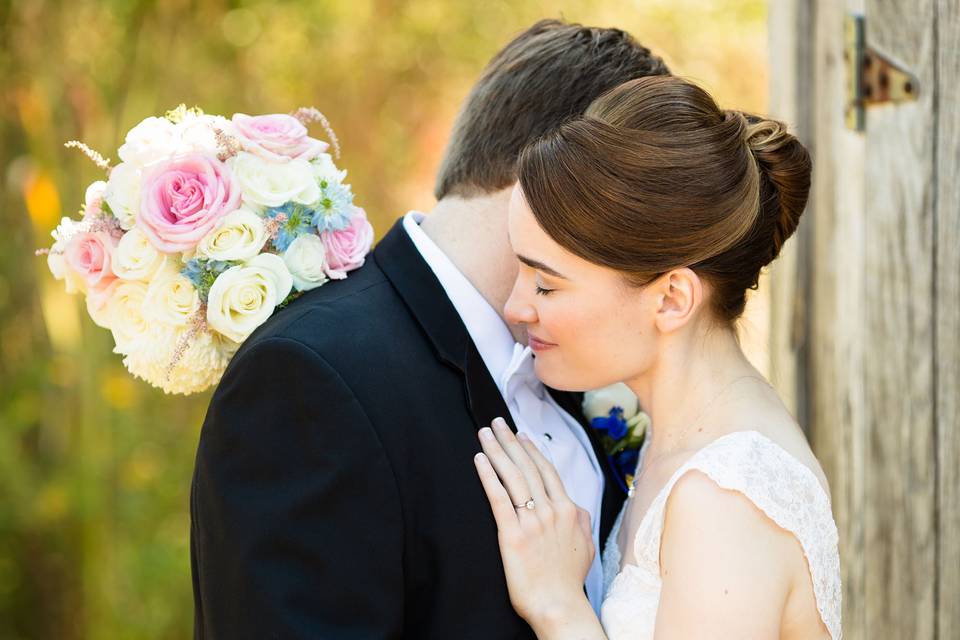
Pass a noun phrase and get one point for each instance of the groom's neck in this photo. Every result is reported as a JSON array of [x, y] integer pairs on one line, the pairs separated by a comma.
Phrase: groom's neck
[[472, 232]]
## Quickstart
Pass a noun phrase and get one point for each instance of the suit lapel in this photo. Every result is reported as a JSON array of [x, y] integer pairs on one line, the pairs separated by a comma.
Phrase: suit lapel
[[416, 284]]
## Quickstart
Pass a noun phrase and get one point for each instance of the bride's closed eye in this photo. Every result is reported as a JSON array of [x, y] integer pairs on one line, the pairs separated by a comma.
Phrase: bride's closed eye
[[541, 291]]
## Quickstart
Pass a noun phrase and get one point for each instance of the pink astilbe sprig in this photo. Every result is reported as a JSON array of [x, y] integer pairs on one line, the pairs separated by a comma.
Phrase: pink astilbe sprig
[[273, 225], [99, 160], [107, 224], [307, 115], [229, 145], [199, 325]]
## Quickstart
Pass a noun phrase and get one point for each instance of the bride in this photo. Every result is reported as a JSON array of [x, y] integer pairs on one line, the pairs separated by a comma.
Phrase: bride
[[639, 227]]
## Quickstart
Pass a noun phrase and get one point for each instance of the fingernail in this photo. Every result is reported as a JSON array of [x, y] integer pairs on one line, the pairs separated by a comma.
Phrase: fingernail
[[486, 433], [480, 458], [522, 436], [499, 423]]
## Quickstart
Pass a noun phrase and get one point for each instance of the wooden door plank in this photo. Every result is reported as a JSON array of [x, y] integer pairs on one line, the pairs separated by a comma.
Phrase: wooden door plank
[[947, 305], [901, 540], [837, 311]]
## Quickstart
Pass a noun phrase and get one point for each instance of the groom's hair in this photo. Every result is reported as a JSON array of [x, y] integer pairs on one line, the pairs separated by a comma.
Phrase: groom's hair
[[546, 75]]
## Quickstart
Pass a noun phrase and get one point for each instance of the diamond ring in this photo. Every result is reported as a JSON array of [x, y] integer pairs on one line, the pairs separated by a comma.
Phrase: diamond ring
[[529, 504]]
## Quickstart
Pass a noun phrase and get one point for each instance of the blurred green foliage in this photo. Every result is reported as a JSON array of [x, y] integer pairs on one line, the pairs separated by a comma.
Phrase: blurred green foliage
[[95, 466]]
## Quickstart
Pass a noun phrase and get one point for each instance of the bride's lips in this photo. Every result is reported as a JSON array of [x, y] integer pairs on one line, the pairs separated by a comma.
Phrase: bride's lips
[[537, 344]]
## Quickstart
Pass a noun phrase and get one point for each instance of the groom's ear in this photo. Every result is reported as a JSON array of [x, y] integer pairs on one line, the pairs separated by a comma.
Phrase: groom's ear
[[679, 295]]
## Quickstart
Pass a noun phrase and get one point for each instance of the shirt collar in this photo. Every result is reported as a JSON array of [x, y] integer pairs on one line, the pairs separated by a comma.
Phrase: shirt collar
[[486, 328]]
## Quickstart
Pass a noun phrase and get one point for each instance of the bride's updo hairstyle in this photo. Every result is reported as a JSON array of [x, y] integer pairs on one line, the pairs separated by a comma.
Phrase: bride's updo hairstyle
[[655, 176]]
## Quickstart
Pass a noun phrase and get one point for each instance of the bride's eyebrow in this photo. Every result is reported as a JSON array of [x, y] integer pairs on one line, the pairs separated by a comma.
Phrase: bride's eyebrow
[[536, 264]]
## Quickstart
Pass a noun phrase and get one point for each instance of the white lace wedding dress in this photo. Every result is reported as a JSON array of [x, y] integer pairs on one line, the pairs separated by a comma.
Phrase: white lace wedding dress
[[785, 489]]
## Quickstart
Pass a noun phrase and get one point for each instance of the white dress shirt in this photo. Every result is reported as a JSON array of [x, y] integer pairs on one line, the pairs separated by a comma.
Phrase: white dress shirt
[[558, 435]]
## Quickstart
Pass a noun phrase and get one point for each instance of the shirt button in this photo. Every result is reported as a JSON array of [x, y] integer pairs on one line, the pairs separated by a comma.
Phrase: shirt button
[[547, 436]]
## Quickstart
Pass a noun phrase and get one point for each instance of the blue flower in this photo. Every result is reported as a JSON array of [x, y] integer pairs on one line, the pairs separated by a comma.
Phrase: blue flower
[[626, 461], [334, 207], [295, 220], [614, 424], [202, 273]]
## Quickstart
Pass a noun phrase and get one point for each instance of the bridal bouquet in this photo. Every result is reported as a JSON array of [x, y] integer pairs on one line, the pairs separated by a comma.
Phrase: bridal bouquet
[[206, 227]]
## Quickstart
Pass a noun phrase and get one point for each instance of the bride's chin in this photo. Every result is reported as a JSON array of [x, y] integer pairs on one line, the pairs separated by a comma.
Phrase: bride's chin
[[554, 378]]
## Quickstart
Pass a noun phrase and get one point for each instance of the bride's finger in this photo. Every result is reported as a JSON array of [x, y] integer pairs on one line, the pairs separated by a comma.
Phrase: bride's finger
[[551, 479], [512, 478], [513, 448], [503, 510]]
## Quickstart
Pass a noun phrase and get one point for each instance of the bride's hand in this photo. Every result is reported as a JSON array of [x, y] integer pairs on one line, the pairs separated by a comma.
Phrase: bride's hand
[[547, 550]]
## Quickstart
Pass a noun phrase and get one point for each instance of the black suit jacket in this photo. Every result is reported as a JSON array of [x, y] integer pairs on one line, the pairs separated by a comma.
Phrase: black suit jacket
[[334, 493]]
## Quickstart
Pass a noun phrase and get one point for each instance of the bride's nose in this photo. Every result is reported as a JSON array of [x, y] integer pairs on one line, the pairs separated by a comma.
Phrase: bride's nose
[[519, 308]]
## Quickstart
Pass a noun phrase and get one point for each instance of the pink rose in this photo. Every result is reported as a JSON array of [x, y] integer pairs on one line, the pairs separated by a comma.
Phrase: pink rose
[[347, 249], [277, 137], [182, 199], [89, 255]]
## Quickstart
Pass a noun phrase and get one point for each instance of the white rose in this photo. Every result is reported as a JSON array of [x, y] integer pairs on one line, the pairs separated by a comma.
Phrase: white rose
[[135, 257], [171, 298], [267, 184], [244, 296], [152, 140], [123, 193], [325, 169], [306, 260], [55, 261], [93, 198], [125, 312], [598, 403], [239, 235], [196, 133]]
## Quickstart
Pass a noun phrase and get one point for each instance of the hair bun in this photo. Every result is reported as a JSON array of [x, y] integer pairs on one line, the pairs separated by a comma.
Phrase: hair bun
[[785, 169]]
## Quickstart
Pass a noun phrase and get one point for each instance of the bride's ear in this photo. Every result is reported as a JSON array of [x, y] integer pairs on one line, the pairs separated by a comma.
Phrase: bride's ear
[[680, 294]]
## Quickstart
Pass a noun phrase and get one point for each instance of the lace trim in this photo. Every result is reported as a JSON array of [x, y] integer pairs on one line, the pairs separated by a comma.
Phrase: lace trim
[[784, 488]]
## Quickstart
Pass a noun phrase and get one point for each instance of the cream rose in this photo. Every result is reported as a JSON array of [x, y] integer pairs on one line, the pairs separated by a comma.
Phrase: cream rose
[[244, 296], [238, 236], [124, 311], [97, 304], [135, 257], [122, 193], [306, 260], [267, 184], [171, 298]]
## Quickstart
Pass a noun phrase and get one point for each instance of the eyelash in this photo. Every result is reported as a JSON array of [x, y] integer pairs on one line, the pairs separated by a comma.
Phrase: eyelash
[[543, 292]]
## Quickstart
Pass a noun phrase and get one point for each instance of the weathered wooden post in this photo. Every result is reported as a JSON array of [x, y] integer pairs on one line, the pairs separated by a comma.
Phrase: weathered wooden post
[[866, 303]]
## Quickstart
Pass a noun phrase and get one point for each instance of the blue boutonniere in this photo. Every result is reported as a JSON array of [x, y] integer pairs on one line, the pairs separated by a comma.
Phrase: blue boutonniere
[[614, 413]]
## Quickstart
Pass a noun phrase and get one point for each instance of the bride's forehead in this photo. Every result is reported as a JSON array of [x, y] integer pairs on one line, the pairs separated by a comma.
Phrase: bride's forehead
[[527, 236]]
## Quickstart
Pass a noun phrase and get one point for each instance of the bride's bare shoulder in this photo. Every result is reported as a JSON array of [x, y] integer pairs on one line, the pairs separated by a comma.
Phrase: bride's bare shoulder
[[721, 554]]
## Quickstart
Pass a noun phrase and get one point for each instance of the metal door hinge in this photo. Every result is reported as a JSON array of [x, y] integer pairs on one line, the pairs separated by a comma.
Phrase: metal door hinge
[[872, 78]]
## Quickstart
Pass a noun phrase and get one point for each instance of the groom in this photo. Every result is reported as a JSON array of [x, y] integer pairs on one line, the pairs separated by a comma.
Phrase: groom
[[334, 494]]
